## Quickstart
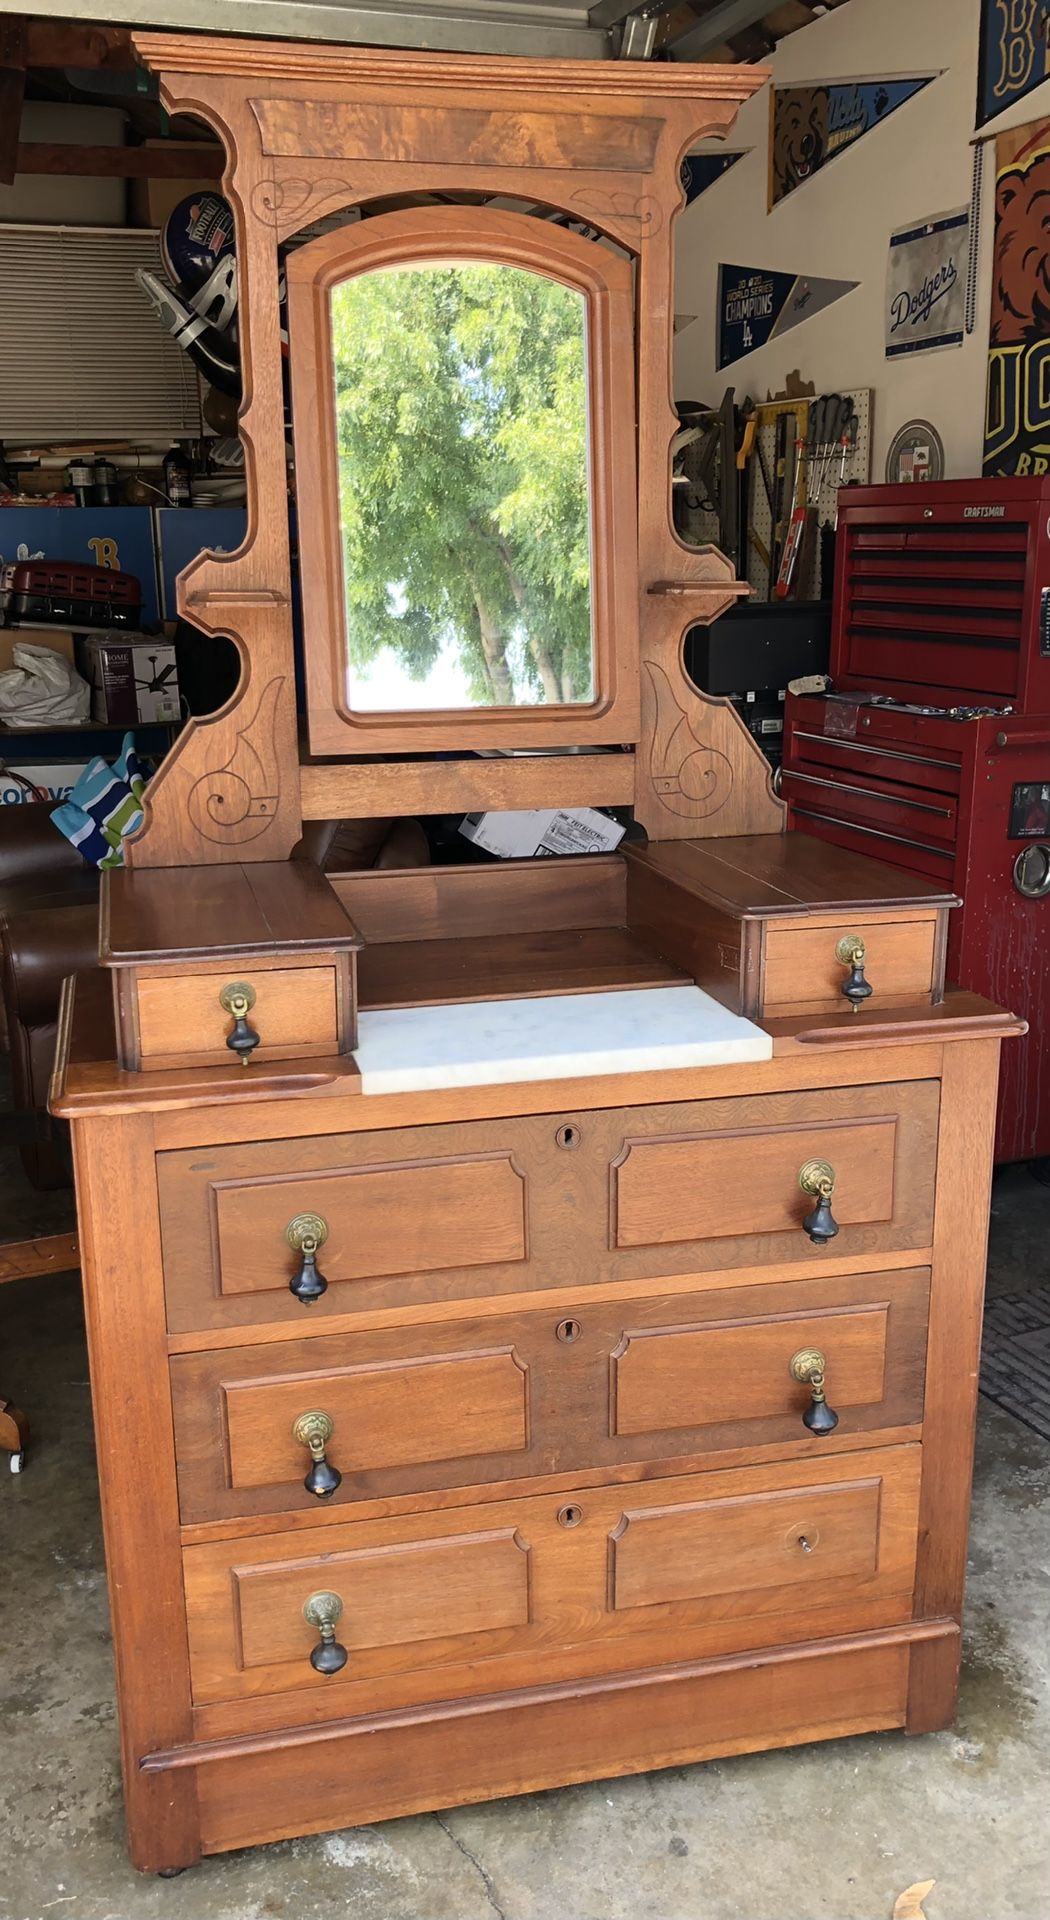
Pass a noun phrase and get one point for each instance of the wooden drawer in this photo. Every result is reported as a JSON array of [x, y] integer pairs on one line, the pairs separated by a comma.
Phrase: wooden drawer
[[463, 1402], [715, 1184], [803, 975], [502, 1206], [408, 1212], [515, 1592], [172, 1018]]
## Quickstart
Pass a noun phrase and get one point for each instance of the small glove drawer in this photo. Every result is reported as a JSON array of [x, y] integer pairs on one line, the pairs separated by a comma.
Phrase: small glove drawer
[[291, 1426]]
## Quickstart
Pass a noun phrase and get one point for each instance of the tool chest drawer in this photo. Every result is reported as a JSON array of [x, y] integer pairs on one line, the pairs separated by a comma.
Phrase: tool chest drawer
[[266, 1232], [346, 1617], [292, 1426]]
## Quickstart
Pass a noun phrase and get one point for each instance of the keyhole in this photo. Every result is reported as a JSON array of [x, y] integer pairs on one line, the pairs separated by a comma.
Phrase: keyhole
[[568, 1330], [568, 1137], [569, 1516]]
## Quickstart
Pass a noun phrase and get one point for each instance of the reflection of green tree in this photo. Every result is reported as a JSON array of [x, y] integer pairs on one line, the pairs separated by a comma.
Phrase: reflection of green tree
[[461, 401]]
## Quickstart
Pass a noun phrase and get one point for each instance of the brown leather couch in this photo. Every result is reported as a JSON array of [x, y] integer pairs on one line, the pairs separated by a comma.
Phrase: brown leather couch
[[49, 929]]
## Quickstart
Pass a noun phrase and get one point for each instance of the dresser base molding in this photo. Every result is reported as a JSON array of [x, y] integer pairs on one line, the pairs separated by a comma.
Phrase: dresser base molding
[[350, 1773]]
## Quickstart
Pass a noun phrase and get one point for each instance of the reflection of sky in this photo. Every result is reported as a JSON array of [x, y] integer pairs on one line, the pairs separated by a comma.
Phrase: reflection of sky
[[385, 686]]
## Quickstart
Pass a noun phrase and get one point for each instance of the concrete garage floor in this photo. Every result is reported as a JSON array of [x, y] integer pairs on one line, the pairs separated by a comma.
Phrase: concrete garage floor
[[832, 1832]]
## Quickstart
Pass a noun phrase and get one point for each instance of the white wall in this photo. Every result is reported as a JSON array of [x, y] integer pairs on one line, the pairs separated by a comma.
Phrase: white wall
[[837, 226], [51, 199]]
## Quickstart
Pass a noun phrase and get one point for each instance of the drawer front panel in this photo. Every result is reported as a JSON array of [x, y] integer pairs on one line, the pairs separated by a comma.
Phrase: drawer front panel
[[517, 1592], [802, 973], [465, 1402], [403, 1413], [408, 1212], [693, 1376], [180, 1019], [393, 1596], [424, 1218], [716, 1184], [501, 1206], [761, 1546]]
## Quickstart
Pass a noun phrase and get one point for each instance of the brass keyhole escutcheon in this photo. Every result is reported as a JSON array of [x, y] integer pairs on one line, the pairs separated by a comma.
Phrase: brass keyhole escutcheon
[[568, 1331], [568, 1137], [569, 1516]]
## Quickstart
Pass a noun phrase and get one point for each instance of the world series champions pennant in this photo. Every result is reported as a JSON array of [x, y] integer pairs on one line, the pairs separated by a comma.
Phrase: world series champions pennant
[[756, 306]]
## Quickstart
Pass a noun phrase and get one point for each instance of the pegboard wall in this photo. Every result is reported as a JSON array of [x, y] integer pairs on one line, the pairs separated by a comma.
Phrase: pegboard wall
[[767, 527]]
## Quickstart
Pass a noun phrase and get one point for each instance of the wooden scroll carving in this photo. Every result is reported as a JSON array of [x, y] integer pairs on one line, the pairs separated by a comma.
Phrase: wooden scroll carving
[[309, 131]]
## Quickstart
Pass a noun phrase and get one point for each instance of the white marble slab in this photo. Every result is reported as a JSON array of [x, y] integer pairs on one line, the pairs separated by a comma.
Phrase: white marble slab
[[491, 1042]]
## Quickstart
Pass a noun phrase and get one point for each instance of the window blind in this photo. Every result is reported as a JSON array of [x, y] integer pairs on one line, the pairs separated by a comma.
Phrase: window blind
[[82, 353]]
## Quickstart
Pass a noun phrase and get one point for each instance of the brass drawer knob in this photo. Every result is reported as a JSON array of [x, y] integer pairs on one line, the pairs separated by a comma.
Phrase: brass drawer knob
[[314, 1430], [306, 1233], [817, 1178], [238, 999], [809, 1367], [322, 1611], [852, 953]]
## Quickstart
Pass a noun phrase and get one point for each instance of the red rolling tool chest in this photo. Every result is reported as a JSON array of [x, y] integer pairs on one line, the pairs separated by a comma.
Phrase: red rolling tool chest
[[931, 748]]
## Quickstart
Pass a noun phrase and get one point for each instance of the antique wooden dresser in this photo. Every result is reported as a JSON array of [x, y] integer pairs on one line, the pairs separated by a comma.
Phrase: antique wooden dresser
[[534, 1307]]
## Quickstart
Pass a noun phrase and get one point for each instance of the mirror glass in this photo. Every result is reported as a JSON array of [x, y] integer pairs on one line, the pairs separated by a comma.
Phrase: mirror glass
[[461, 399]]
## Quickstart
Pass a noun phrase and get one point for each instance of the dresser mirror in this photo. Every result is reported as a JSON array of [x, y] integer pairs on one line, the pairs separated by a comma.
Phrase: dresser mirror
[[462, 387], [461, 432]]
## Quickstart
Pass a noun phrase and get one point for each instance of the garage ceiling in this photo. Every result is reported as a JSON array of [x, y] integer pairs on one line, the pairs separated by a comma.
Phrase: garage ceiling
[[720, 30]]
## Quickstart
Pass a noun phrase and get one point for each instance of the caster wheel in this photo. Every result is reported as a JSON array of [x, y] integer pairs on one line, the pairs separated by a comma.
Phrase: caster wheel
[[17, 1462], [169, 1873]]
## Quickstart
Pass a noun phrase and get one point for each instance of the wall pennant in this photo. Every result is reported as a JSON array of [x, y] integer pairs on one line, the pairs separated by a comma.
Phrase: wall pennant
[[1017, 414], [809, 126], [700, 171], [756, 305], [926, 284], [1015, 53]]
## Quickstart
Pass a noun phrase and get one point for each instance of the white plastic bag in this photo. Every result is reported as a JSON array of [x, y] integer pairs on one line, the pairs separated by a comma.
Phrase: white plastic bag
[[42, 690]]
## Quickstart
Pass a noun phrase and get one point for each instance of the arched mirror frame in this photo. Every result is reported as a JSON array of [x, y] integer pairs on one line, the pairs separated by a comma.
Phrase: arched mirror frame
[[310, 130], [431, 235]]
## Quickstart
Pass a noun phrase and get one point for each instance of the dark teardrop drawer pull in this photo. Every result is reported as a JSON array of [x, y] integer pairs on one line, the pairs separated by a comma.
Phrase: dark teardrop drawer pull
[[808, 1368], [322, 1611], [817, 1178], [314, 1430], [306, 1233], [238, 999]]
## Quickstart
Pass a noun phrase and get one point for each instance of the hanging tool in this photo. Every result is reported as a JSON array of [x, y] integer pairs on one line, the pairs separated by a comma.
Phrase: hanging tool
[[828, 425], [805, 454], [850, 435]]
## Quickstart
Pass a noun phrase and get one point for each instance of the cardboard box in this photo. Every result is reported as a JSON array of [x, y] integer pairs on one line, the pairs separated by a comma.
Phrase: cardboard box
[[55, 778], [542, 831], [131, 677]]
